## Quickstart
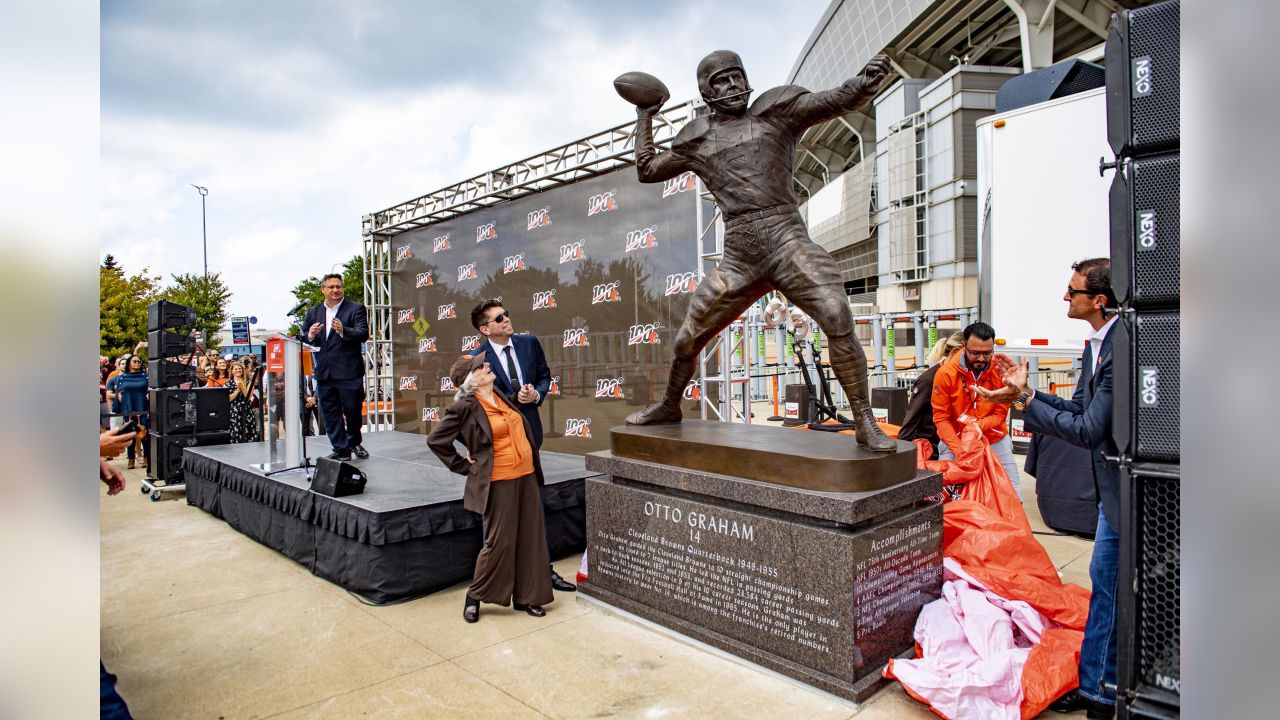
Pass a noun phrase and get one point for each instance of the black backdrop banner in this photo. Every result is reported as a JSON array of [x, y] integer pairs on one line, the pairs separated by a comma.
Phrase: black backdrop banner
[[600, 271]]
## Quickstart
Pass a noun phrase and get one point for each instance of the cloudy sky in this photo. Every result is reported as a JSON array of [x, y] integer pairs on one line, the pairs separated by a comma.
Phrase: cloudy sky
[[300, 117]]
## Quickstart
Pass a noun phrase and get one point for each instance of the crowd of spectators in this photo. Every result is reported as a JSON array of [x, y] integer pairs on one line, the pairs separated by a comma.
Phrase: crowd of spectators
[[122, 396]]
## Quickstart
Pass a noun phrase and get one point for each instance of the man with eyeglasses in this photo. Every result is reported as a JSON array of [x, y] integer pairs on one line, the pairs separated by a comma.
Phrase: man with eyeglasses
[[520, 372], [957, 401], [1085, 421], [338, 327]]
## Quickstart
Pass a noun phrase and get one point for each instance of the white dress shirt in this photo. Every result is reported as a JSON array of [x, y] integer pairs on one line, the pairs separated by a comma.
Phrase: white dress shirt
[[1095, 342], [501, 350], [329, 314]]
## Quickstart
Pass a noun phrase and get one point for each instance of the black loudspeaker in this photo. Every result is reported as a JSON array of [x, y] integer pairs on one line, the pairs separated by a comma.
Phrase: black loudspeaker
[[1058, 80], [1148, 609], [163, 373], [186, 410], [1147, 387], [893, 399], [165, 344], [336, 478], [1143, 85], [1146, 249], [166, 452], [162, 315]]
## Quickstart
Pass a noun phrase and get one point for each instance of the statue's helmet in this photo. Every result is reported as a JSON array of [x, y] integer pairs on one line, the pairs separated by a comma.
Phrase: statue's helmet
[[717, 62]]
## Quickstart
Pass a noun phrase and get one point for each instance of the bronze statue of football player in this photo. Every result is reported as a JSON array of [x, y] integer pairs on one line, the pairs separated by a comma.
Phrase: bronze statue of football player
[[745, 156]]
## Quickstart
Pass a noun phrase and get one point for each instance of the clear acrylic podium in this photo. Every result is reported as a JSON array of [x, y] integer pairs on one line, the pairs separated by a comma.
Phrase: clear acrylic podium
[[282, 406]]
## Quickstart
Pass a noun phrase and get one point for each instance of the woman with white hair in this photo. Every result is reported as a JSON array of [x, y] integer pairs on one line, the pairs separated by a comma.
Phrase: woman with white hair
[[504, 481]]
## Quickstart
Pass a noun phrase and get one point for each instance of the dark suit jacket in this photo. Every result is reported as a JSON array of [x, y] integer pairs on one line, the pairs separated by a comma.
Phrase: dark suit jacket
[[533, 365], [339, 357], [466, 422], [918, 421], [1085, 421]]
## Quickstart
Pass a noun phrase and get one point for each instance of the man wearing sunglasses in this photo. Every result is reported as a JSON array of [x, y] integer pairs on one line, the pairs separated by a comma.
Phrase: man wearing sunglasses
[[1085, 421], [520, 372], [957, 401]]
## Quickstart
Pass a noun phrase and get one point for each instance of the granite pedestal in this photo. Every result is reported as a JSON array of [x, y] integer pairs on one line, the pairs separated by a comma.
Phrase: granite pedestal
[[823, 587]]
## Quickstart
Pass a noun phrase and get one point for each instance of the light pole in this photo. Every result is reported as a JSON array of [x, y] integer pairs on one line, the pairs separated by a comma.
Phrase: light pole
[[204, 228]]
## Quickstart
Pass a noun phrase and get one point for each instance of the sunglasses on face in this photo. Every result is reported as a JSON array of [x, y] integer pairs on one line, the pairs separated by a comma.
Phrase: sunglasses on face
[[504, 315], [1072, 292]]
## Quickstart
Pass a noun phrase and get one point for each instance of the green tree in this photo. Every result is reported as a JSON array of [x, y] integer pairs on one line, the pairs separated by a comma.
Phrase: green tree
[[353, 278], [122, 307], [208, 296], [307, 291]]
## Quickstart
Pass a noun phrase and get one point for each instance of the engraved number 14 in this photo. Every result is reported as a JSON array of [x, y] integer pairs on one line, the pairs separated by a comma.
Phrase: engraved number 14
[[695, 535]]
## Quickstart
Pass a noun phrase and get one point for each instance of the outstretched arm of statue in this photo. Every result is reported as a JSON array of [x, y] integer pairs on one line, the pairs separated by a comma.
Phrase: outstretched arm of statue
[[651, 165], [815, 107]]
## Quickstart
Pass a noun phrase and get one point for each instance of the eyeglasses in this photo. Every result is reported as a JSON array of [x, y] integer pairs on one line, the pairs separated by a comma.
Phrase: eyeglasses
[[504, 315], [1072, 292], [979, 355]]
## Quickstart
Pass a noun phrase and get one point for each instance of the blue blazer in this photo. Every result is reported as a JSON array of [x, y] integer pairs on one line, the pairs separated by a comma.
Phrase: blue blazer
[[339, 357], [533, 365], [1085, 421]]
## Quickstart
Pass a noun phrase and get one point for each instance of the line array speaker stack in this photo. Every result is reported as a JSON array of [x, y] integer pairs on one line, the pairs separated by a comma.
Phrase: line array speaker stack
[[1144, 130], [181, 417]]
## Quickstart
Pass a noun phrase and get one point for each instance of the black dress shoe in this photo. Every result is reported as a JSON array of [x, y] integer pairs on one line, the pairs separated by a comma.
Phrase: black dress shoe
[[361, 452], [1073, 701], [560, 583], [471, 610], [534, 610], [339, 455]]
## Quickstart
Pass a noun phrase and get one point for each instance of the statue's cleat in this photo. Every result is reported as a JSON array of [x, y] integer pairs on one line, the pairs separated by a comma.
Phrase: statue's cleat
[[656, 414], [870, 436]]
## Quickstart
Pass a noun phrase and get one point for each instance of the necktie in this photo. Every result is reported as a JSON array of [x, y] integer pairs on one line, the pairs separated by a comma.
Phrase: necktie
[[511, 369]]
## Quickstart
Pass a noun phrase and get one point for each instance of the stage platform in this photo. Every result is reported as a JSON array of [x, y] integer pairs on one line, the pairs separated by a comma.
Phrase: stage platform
[[406, 535]]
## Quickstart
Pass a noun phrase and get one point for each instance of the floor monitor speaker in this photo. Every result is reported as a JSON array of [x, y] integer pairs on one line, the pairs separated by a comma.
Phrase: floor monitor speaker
[[336, 478]]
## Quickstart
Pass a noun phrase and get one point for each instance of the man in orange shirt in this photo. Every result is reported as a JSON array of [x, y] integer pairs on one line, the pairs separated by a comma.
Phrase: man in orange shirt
[[956, 401]]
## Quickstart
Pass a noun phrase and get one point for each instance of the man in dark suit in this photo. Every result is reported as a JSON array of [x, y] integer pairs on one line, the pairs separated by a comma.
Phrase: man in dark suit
[[520, 373], [1085, 420], [338, 327]]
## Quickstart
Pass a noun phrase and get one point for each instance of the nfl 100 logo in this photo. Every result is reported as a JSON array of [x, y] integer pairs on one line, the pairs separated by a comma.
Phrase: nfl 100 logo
[[578, 427], [570, 252], [642, 239], [544, 300], [602, 203], [605, 293], [644, 334], [609, 388]]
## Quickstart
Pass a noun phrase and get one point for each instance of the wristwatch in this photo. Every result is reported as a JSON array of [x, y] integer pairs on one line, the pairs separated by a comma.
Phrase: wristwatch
[[1021, 402]]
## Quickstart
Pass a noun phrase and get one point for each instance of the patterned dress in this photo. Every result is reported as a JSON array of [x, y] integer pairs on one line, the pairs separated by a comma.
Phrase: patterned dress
[[244, 428]]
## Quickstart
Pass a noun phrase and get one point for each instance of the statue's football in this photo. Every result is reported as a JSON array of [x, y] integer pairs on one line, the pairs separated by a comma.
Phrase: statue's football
[[641, 89]]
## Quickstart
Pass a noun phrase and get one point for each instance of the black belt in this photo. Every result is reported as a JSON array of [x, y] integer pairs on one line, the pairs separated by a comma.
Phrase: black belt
[[754, 215]]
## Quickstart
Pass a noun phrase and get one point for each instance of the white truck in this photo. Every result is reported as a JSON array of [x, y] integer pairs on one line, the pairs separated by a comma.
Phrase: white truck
[[1042, 205]]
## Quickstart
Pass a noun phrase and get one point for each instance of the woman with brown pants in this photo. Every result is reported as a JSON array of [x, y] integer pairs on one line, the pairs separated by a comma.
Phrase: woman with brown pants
[[504, 480]]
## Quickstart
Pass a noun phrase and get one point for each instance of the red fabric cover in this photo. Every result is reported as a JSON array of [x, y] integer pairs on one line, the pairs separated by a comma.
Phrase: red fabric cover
[[986, 531]]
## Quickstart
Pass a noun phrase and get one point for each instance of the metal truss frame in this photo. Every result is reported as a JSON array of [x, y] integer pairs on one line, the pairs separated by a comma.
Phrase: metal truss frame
[[583, 158], [599, 153]]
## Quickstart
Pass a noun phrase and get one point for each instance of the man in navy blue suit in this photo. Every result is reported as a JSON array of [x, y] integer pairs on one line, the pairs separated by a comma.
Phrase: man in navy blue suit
[[1085, 420], [520, 372], [338, 327]]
